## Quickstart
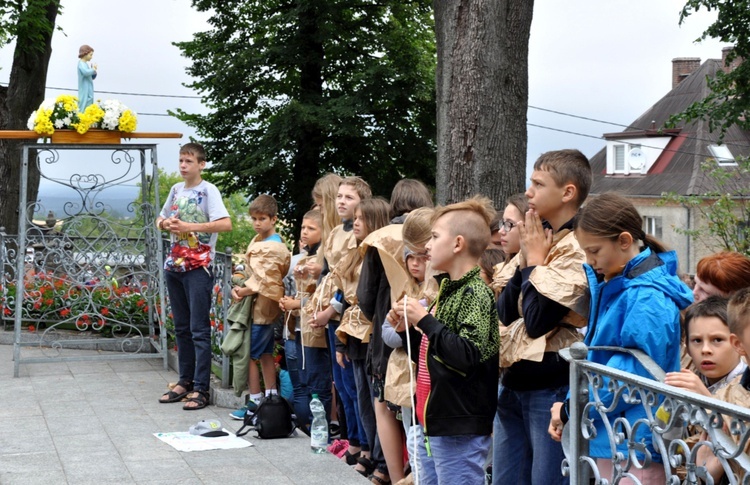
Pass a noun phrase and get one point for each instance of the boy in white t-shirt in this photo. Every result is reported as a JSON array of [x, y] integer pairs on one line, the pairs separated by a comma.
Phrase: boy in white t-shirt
[[193, 214]]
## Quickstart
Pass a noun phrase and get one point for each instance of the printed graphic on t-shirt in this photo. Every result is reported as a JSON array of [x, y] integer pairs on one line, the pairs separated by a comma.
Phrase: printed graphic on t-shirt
[[191, 249]]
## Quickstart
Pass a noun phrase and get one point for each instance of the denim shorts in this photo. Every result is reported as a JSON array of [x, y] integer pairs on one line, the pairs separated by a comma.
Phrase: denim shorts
[[261, 341]]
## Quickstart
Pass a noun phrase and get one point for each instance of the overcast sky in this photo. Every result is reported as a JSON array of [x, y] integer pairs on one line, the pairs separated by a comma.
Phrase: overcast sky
[[603, 59]]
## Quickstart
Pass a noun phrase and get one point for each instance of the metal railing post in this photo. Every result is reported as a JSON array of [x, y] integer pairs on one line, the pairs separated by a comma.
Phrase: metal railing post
[[226, 288], [579, 397]]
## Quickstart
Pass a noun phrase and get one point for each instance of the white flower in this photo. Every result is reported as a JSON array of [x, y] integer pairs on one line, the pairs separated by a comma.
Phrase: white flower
[[67, 120], [59, 124], [30, 123]]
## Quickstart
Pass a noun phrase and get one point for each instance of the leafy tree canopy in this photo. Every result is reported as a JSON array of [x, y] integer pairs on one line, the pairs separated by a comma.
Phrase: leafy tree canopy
[[28, 20], [729, 100], [297, 88]]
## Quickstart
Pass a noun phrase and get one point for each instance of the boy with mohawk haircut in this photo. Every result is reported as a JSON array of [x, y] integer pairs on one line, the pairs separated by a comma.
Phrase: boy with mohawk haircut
[[457, 348]]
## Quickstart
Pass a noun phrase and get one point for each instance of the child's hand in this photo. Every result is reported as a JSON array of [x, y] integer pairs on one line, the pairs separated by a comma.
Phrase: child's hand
[[236, 294], [555, 423], [414, 313], [536, 241], [320, 319], [287, 304], [176, 226], [686, 379], [313, 269], [340, 357]]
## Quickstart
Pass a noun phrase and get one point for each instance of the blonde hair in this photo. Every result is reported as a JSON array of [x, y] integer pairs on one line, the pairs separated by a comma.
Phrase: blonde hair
[[325, 190], [473, 225], [417, 229]]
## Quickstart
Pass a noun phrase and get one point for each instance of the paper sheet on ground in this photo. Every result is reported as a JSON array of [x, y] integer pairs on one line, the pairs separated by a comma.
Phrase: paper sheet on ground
[[184, 441]]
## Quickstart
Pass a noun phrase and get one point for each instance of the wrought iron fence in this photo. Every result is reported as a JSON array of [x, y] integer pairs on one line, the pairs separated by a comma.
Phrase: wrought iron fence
[[724, 426], [86, 278]]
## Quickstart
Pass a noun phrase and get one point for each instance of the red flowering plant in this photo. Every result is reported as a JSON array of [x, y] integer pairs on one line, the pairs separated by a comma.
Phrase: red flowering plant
[[95, 305]]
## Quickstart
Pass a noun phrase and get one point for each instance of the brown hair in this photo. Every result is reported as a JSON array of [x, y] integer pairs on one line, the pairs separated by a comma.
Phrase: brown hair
[[713, 306], [491, 257], [264, 204], [519, 201], [568, 167], [194, 149], [417, 229], [375, 215], [473, 224], [362, 187], [84, 50], [728, 271], [738, 311], [609, 215], [407, 195], [325, 189], [314, 215]]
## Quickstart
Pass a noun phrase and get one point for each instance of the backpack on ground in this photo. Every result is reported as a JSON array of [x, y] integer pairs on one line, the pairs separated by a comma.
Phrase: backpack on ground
[[274, 418]]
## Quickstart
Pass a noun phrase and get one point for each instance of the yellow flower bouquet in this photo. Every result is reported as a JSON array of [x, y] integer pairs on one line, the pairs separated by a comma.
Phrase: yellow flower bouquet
[[62, 113]]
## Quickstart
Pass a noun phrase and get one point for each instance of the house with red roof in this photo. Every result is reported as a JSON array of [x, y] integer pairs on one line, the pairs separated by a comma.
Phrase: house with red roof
[[645, 161]]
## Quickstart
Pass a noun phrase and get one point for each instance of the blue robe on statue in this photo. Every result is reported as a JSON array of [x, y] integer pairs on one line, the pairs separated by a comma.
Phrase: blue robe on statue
[[86, 76]]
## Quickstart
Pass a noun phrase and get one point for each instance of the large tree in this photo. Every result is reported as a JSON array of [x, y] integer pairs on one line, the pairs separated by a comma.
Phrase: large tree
[[728, 102], [31, 24], [482, 97], [296, 88]]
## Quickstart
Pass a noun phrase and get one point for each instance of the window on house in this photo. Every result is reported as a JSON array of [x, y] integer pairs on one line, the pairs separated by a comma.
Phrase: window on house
[[722, 155], [619, 157], [652, 226]]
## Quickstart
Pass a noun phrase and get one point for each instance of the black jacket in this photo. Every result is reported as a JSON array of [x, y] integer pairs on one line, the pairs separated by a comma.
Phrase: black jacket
[[463, 384]]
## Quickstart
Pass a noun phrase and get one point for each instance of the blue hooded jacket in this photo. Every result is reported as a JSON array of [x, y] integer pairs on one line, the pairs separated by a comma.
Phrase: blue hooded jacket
[[640, 308]]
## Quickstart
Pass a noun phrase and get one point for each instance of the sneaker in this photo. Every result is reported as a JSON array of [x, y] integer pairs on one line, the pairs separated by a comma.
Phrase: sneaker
[[239, 414], [334, 430]]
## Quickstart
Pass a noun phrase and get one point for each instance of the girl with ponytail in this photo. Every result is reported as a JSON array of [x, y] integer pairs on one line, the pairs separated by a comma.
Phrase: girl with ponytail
[[636, 298]]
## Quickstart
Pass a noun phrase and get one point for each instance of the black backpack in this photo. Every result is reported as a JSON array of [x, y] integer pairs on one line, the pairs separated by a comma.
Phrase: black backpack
[[274, 418]]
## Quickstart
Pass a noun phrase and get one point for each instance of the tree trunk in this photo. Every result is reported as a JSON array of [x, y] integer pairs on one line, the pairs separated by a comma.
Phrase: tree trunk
[[482, 97], [24, 94], [310, 140]]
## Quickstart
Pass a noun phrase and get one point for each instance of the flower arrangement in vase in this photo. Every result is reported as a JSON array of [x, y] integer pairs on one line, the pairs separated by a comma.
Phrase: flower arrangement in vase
[[62, 113]]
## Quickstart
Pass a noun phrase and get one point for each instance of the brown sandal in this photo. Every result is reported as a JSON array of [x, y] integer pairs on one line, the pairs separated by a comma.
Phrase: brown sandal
[[200, 398]]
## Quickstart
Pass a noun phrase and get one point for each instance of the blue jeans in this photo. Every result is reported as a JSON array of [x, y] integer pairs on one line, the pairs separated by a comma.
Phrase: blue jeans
[[344, 380], [190, 299], [301, 402], [523, 452], [415, 442], [317, 367], [455, 459]]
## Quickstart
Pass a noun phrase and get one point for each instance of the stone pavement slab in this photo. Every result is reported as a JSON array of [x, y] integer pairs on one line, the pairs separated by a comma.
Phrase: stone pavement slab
[[92, 422]]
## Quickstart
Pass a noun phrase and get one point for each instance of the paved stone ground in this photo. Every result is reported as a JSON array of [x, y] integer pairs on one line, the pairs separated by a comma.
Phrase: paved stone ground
[[93, 423]]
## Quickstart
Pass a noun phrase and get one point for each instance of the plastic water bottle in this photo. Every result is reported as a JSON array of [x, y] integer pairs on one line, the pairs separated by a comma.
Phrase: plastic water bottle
[[319, 426]]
